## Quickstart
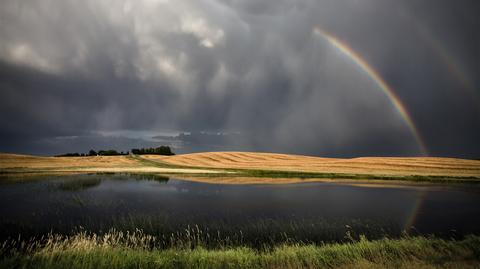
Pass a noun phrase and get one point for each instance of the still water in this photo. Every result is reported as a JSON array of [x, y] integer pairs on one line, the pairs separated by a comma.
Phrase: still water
[[304, 211]]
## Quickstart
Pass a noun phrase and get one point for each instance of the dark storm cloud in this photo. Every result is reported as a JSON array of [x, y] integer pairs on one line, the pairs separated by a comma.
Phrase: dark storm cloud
[[239, 75]]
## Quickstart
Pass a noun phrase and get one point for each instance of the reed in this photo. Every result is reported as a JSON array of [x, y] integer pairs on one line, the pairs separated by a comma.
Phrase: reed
[[137, 250]]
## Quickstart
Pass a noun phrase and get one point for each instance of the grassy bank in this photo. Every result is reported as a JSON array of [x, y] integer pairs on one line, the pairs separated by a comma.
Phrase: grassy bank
[[413, 178], [134, 250], [235, 176], [245, 176]]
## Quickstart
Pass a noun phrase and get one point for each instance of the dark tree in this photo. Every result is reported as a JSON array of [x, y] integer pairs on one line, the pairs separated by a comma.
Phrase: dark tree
[[109, 152], [76, 154], [162, 150]]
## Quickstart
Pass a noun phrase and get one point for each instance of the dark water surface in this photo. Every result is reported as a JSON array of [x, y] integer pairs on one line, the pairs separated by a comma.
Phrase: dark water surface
[[306, 211]]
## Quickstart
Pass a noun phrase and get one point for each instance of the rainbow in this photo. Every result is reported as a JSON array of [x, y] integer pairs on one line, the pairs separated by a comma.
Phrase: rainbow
[[452, 64], [412, 216], [454, 67], [387, 90]]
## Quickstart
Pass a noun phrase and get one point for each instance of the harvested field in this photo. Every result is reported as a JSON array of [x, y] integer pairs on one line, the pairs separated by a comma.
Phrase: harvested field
[[10, 161], [147, 169], [110, 164], [396, 166], [213, 162]]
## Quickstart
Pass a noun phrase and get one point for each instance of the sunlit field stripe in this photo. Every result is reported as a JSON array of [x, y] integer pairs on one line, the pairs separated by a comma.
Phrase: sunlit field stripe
[[365, 66]]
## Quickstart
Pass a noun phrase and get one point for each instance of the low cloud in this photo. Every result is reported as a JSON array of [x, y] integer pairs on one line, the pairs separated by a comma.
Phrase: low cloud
[[237, 75]]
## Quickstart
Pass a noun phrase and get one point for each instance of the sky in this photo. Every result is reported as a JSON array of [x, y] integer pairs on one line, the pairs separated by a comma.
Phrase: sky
[[334, 78]]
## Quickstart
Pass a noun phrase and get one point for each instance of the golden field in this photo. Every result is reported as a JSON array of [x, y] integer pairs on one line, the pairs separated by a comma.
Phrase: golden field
[[113, 164], [214, 162], [37, 162], [366, 165]]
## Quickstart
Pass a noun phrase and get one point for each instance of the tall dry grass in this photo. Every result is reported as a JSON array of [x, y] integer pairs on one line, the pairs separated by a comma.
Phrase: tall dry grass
[[133, 250]]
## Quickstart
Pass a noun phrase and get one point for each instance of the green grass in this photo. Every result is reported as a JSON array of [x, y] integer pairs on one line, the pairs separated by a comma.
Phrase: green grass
[[304, 175], [134, 250]]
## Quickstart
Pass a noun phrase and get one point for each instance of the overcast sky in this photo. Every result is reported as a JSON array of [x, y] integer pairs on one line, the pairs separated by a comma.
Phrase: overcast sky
[[210, 75]]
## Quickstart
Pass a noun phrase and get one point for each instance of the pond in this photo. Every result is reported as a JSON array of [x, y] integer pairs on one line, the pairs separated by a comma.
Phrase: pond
[[174, 209]]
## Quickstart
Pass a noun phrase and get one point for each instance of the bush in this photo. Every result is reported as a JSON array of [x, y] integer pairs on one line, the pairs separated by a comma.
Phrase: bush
[[76, 154], [162, 150], [110, 152]]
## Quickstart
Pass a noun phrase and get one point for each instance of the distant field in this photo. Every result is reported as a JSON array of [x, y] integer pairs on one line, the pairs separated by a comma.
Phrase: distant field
[[248, 164], [28, 163], [37, 162], [366, 165]]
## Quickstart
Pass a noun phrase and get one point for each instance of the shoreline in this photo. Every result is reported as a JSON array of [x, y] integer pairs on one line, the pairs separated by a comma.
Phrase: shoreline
[[233, 179]]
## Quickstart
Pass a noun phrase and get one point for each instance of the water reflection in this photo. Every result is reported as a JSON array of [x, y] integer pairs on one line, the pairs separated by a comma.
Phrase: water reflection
[[79, 184], [307, 212]]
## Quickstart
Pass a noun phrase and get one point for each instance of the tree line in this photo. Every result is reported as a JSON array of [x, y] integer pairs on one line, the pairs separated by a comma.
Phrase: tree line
[[162, 150]]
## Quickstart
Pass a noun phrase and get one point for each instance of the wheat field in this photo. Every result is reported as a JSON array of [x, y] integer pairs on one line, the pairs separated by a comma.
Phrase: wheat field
[[12, 161], [394, 166], [364, 165], [109, 164]]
